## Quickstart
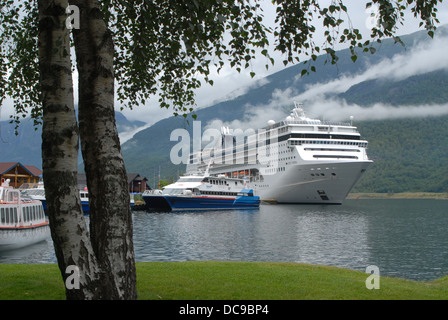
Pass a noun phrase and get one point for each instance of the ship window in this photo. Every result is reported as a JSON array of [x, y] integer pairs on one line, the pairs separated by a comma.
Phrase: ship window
[[2, 214], [15, 215], [7, 215], [190, 179], [172, 191]]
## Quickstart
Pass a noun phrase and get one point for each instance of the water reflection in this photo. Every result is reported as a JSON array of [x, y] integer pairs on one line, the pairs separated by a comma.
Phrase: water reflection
[[330, 237]]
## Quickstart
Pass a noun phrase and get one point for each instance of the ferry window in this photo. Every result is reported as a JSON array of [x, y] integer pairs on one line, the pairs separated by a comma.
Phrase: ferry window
[[15, 216], [7, 215], [2, 214]]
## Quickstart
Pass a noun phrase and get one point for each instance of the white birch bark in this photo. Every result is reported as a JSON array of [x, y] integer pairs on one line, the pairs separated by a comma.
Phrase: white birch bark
[[110, 215], [60, 151]]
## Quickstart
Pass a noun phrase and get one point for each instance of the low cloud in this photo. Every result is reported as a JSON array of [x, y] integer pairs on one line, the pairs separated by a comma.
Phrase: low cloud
[[339, 110], [320, 99]]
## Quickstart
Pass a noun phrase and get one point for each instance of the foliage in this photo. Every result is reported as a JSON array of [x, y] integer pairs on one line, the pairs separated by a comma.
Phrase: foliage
[[166, 48], [408, 154], [19, 65]]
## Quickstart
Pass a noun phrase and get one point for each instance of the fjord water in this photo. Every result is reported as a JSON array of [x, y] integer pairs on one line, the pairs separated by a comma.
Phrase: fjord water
[[403, 238]]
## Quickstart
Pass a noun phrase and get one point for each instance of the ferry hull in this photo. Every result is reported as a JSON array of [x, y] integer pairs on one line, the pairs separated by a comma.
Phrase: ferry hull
[[316, 183], [179, 203], [15, 238]]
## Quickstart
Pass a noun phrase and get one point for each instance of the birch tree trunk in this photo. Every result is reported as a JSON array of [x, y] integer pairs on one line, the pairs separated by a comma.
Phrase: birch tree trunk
[[60, 152], [110, 213]]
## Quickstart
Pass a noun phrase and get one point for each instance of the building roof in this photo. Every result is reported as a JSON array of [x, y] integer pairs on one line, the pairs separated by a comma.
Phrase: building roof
[[135, 177], [7, 166]]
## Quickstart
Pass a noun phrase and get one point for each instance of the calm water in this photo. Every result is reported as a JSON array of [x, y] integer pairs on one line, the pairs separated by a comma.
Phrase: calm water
[[404, 238]]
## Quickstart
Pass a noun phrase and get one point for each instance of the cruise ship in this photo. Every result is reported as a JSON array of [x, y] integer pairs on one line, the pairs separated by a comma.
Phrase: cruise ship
[[296, 160]]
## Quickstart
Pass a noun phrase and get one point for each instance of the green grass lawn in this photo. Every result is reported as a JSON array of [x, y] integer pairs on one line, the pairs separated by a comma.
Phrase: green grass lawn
[[227, 281]]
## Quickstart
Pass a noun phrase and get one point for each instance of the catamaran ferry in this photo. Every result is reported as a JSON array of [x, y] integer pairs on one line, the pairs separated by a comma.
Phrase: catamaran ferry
[[296, 160], [202, 192]]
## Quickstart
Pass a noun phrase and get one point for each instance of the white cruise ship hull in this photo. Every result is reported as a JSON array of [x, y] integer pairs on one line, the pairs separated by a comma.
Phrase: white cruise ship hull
[[317, 183]]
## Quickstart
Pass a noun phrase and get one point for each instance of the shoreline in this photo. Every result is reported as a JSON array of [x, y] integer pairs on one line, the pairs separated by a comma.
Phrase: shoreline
[[402, 195]]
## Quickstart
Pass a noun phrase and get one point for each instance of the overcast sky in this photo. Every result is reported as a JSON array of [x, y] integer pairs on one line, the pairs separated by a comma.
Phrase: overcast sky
[[230, 83]]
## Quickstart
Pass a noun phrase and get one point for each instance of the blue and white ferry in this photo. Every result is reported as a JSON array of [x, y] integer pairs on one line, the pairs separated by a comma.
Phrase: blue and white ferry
[[202, 192]]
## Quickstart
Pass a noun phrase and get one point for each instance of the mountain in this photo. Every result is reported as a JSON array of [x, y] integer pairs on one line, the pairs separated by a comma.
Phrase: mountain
[[408, 153], [25, 147], [392, 95]]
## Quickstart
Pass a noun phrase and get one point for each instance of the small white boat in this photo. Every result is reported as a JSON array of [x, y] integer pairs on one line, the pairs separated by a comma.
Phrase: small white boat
[[37, 192], [22, 220]]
